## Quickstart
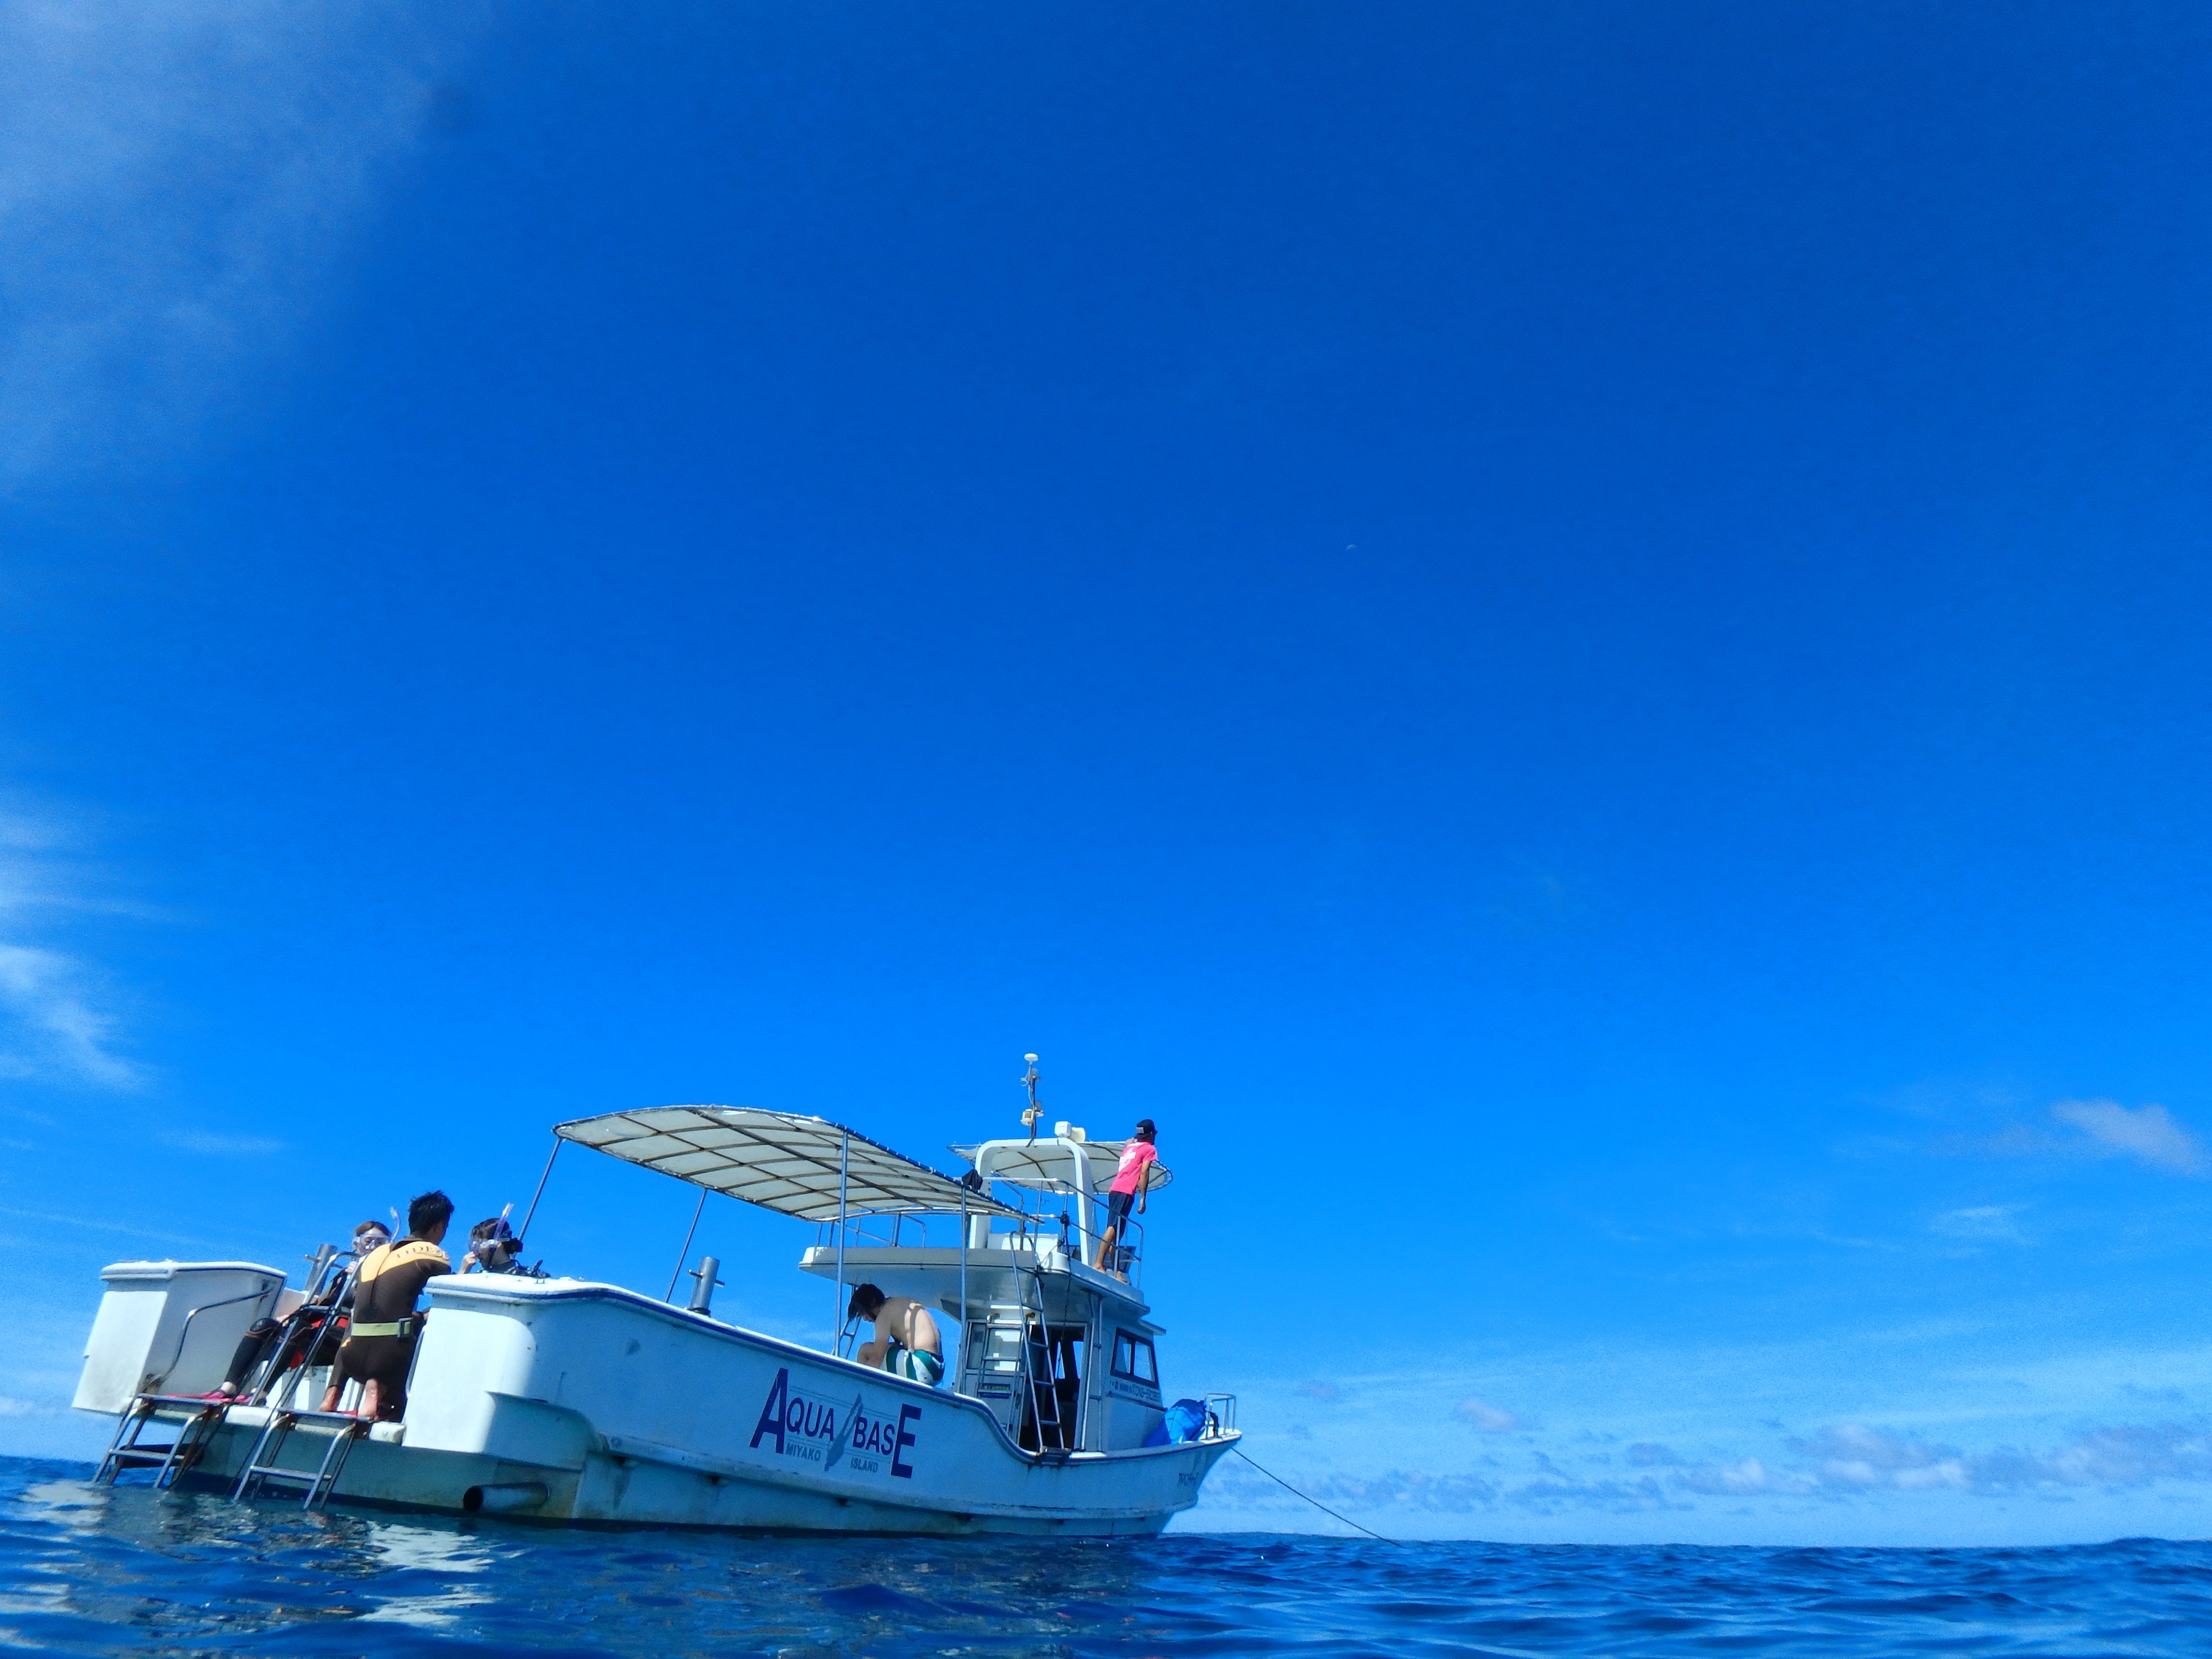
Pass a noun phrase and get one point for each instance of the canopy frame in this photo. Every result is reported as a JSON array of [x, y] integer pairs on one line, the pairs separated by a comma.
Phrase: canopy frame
[[795, 1164]]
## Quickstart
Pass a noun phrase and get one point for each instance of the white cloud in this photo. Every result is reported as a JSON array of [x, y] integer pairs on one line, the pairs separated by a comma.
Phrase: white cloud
[[97, 1223], [1847, 1457], [174, 181], [1988, 1222], [1856, 1459], [2101, 1128], [49, 1025], [1978, 1438], [2129, 1455], [2148, 1133], [191, 1141], [1443, 1492], [1243, 1489], [1843, 1459], [57, 1019], [1837, 1464], [1746, 1479], [1484, 1416]]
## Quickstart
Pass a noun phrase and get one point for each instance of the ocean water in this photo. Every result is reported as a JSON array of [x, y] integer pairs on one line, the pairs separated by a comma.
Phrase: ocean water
[[89, 1570]]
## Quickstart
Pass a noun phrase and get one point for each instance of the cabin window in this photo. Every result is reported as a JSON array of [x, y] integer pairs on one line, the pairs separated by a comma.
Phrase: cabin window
[[1133, 1358]]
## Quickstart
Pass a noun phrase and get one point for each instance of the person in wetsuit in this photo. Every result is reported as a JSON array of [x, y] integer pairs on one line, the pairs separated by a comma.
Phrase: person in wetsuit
[[491, 1249], [265, 1334], [381, 1345]]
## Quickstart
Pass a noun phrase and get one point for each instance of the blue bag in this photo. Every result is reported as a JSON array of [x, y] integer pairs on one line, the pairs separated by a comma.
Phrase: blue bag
[[1185, 1421]]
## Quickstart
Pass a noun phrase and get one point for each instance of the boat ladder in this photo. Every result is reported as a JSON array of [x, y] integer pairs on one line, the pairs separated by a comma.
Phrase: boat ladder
[[311, 1335], [342, 1429], [312, 1341], [1020, 1327], [194, 1421]]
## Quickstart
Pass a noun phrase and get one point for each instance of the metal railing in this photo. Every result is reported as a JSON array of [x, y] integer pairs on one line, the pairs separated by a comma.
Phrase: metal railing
[[309, 1334], [184, 1331]]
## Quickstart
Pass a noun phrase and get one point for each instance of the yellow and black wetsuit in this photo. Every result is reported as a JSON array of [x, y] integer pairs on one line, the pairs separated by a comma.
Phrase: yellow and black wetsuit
[[382, 1343]]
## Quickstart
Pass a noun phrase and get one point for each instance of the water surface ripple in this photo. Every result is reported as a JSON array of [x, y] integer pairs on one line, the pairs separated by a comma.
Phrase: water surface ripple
[[88, 1570]]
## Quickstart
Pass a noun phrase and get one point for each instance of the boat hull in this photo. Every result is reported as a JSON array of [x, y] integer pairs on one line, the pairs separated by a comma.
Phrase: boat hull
[[566, 1402]]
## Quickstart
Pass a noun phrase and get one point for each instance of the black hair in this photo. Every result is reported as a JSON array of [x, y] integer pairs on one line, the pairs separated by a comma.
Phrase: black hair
[[372, 1227], [866, 1302], [1145, 1129], [494, 1228], [433, 1209]]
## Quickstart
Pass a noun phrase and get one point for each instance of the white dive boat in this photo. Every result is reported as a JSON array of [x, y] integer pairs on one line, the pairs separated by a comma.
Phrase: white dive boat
[[571, 1400]]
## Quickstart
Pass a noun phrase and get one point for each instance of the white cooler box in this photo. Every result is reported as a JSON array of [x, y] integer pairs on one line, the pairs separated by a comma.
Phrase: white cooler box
[[170, 1327]]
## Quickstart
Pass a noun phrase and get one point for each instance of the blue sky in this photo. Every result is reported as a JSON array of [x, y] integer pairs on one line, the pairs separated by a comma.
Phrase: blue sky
[[1570, 639]]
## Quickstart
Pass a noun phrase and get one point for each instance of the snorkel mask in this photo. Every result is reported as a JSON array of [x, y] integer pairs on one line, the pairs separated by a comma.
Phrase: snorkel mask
[[494, 1242]]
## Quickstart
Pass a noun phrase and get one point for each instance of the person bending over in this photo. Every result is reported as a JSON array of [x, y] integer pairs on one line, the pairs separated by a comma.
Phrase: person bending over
[[1131, 1178], [380, 1346], [907, 1341]]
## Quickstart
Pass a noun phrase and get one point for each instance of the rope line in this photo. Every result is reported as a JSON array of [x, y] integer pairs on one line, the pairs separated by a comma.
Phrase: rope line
[[1316, 1502]]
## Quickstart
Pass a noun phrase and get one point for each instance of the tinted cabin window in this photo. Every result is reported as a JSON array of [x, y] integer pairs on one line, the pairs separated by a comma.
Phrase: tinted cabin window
[[1133, 1358]]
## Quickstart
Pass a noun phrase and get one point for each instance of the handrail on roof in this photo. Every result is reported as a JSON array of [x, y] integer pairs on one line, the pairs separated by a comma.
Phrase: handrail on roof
[[1055, 1163]]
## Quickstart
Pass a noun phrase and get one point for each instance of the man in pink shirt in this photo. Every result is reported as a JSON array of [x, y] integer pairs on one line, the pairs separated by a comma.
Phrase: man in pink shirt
[[1129, 1184]]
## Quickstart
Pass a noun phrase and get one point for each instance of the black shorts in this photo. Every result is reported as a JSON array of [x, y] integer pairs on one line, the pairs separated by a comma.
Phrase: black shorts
[[381, 1359], [1118, 1205]]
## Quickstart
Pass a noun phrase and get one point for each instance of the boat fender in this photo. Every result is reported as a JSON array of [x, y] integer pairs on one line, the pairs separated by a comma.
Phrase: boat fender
[[1183, 1422]]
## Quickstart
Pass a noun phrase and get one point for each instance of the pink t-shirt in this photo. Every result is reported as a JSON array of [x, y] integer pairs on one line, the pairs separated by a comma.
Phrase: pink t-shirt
[[1131, 1169]]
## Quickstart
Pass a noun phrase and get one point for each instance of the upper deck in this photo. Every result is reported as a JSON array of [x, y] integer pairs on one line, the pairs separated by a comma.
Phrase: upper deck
[[1062, 1349]]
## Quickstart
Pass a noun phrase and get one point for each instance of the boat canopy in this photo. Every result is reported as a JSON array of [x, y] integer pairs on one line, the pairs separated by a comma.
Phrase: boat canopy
[[807, 1167]]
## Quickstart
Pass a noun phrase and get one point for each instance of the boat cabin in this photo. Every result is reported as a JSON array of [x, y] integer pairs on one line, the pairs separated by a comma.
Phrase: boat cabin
[[1060, 1351]]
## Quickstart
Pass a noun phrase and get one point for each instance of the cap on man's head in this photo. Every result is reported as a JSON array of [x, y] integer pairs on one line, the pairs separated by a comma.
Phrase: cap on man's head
[[1145, 1127]]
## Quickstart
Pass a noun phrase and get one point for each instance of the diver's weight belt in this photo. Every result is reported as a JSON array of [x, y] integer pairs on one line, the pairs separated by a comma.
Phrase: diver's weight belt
[[396, 1328]]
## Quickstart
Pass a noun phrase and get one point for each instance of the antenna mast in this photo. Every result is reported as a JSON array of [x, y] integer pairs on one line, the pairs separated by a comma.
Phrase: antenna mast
[[1034, 1111]]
